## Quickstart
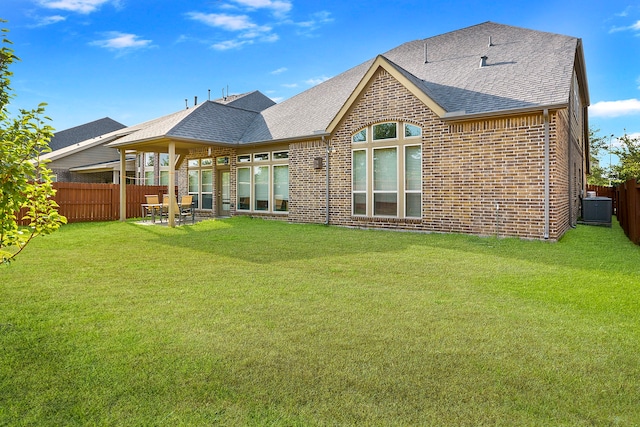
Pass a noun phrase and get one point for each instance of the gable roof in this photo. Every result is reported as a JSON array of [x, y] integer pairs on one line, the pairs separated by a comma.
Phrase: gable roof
[[83, 132], [524, 70]]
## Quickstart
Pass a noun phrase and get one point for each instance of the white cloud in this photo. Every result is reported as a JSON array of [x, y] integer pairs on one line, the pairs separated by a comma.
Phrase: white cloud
[[278, 7], [119, 41], [224, 21], [632, 27], [615, 108], [317, 80], [49, 20], [290, 85], [242, 24], [279, 71], [80, 6], [231, 44], [316, 20]]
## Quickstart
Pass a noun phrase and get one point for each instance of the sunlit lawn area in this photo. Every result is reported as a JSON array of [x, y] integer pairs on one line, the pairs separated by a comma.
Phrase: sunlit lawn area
[[251, 322]]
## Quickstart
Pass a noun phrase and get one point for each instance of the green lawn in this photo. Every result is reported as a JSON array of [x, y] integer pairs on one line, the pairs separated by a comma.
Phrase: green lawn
[[251, 322]]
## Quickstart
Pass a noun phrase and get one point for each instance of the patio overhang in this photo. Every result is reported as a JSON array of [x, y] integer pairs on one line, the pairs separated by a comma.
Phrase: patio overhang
[[177, 148]]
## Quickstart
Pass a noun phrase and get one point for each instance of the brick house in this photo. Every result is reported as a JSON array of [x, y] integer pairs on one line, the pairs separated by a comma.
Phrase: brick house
[[482, 130]]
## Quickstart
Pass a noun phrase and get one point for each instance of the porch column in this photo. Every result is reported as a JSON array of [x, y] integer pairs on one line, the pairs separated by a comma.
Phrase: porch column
[[123, 184], [172, 184]]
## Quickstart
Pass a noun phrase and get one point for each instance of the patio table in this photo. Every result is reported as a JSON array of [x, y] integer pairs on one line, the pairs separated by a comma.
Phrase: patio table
[[152, 207]]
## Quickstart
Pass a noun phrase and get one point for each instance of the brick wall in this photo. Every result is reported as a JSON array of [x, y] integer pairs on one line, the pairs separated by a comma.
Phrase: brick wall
[[307, 185], [482, 177]]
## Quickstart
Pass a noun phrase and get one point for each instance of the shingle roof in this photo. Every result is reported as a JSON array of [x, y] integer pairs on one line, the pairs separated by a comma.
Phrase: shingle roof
[[252, 101], [83, 132], [524, 69], [209, 122]]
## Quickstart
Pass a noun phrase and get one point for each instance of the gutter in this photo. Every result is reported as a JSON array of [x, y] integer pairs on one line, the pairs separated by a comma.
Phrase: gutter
[[546, 174], [461, 115]]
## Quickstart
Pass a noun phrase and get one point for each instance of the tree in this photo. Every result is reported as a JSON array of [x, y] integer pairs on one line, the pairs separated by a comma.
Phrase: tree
[[629, 154], [597, 144], [25, 181]]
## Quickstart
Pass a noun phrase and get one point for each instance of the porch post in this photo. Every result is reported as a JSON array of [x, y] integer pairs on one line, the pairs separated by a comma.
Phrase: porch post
[[172, 184], [123, 184]]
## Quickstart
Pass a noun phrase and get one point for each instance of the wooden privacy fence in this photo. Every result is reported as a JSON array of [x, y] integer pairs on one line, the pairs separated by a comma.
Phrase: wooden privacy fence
[[628, 210], [80, 202]]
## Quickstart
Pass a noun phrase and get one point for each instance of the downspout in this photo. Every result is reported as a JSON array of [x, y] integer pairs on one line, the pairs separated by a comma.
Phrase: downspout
[[546, 173], [326, 222]]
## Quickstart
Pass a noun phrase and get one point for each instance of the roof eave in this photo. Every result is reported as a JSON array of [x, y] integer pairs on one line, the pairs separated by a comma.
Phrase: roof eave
[[462, 116]]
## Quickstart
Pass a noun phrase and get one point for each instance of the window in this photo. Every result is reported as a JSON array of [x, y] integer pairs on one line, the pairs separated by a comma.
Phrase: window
[[261, 157], [280, 155], [244, 189], [164, 169], [261, 187], [360, 136], [386, 175], [385, 181], [281, 188], [148, 177], [149, 161], [200, 186], [164, 177], [413, 181], [359, 182], [411, 131], [222, 161], [385, 131]]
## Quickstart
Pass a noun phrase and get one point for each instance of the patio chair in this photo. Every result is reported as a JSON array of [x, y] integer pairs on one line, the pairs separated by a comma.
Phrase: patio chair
[[164, 209], [151, 207], [185, 209]]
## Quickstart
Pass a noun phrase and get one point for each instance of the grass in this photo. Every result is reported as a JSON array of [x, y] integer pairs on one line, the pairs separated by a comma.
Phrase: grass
[[250, 322]]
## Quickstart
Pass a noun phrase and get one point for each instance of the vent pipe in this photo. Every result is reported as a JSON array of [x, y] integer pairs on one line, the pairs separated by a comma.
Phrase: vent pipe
[[195, 101], [490, 42], [425, 53], [483, 61], [186, 103]]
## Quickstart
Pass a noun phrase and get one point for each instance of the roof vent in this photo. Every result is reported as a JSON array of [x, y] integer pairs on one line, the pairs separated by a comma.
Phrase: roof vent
[[490, 42], [483, 61], [425, 53]]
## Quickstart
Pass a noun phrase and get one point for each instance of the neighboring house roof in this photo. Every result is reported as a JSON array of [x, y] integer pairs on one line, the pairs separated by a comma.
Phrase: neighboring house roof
[[523, 69], [83, 132]]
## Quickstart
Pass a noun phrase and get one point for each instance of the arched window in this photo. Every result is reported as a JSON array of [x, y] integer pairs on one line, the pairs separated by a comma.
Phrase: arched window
[[386, 170]]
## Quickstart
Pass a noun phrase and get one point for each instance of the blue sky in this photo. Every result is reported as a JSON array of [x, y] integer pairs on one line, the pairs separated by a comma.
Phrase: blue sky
[[135, 60]]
